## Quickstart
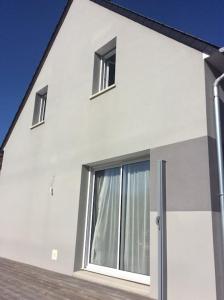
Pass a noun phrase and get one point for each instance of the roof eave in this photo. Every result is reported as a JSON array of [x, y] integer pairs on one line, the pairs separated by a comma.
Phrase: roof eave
[[184, 38], [216, 61]]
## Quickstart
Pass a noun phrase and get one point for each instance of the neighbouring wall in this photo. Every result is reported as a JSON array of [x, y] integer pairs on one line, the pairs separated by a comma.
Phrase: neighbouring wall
[[211, 73]]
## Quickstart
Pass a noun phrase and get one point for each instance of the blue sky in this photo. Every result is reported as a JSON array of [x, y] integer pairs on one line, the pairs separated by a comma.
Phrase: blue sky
[[26, 26]]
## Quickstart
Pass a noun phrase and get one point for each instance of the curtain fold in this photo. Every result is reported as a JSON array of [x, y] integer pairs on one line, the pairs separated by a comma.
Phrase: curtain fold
[[105, 218], [134, 252]]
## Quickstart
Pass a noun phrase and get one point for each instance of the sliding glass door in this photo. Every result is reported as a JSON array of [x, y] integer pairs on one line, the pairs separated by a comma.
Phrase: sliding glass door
[[119, 227]]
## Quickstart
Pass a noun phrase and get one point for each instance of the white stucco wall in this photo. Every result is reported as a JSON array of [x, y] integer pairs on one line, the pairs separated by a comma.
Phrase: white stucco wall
[[159, 99]]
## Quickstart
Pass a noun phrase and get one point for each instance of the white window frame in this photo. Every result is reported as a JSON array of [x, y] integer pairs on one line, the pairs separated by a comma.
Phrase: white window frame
[[39, 107], [101, 69], [104, 70], [86, 265], [43, 100]]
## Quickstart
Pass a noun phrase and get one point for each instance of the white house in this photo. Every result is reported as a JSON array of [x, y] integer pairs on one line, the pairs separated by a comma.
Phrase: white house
[[115, 93]]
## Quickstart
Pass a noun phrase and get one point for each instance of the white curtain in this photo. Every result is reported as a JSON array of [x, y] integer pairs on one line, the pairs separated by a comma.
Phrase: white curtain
[[105, 218], [134, 253]]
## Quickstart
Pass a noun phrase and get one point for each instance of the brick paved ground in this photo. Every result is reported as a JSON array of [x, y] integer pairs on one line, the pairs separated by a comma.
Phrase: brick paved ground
[[25, 282]]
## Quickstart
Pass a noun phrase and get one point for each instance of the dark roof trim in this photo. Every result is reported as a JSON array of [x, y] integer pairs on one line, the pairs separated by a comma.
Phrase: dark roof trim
[[177, 35], [1, 158], [170, 32], [37, 72], [216, 61]]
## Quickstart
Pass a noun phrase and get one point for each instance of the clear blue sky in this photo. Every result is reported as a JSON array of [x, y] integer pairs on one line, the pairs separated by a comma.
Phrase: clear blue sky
[[26, 26]]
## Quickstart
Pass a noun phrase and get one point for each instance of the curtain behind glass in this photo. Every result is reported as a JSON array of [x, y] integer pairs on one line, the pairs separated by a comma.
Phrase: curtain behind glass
[[105, 218], [134, 252]]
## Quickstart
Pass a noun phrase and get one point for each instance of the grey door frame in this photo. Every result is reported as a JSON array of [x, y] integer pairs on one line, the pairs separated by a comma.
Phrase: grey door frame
[[161, 222]]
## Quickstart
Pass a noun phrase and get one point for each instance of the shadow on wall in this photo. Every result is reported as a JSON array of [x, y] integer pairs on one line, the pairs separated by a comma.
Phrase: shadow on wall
[[216, 220], [78, 264]]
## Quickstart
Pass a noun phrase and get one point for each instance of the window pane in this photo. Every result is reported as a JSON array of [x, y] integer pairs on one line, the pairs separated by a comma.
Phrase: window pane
[[43, 107], [111, 64], [105, 218], [36, 112], [134, 252]]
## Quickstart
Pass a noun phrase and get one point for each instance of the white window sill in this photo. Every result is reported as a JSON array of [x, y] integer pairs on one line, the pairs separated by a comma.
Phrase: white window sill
[[116, 283], [103, 91], [36, 125], [137, 278]]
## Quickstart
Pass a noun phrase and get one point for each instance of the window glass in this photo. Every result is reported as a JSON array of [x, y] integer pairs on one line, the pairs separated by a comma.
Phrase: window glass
[[107, 73], [134, 251], [111, 64], [105, 218], [40, 107]]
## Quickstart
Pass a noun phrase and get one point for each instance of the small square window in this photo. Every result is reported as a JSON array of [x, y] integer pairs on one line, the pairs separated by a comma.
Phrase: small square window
[[104, 67], [40, 106], [107, 70]]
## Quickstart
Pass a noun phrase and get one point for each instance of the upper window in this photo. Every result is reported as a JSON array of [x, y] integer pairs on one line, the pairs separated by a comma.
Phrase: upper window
[[119, 228], [104, 67], [40, 107]]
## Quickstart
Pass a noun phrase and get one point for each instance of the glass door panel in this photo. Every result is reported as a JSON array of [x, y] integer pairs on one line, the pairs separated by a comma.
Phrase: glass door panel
[[105, 218], [134, 246]]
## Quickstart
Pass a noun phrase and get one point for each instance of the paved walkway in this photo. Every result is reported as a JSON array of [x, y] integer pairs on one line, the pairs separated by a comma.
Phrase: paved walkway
[[25, 282]]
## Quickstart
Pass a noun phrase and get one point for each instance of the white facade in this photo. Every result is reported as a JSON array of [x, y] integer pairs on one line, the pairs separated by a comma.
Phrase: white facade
[[156, 110]]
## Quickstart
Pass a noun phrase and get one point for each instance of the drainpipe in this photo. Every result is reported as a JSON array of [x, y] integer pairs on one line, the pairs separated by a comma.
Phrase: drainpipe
[[161, 222], [219, 150]]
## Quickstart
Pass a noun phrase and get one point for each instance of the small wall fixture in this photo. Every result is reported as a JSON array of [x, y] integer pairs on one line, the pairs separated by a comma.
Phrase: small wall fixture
[[54, 254]]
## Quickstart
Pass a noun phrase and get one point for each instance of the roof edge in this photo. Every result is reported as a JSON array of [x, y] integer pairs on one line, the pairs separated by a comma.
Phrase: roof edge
[[180, 36], [37, 72]]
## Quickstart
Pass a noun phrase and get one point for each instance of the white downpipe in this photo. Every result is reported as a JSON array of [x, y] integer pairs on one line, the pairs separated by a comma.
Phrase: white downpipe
[[219, 150]]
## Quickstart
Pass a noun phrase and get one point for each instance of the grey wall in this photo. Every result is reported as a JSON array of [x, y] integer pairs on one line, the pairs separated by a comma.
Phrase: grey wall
[[159, 100], [190, 254]]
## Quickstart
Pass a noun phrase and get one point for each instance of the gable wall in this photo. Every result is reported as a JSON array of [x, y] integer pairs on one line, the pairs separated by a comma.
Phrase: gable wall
[[149, 66]]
